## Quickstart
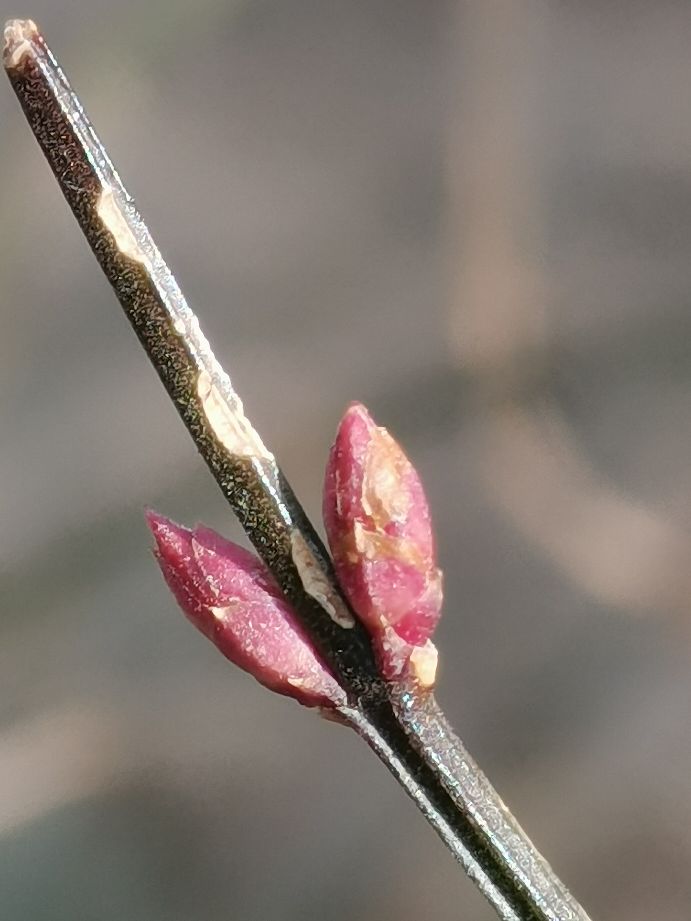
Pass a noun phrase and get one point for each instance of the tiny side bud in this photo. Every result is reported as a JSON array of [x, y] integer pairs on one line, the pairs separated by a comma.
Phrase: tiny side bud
[[232, 598], [379, 530]]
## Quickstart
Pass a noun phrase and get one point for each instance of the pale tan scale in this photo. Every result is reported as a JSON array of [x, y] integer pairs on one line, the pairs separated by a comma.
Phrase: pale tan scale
[[315, 581], [229, 424], [386, 466], [115, 221]]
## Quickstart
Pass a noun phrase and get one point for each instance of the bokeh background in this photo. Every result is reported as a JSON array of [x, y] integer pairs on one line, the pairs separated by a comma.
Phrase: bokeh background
[[476, 218]]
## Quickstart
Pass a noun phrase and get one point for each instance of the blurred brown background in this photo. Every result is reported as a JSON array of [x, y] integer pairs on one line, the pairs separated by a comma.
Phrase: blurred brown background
[[474, 217]]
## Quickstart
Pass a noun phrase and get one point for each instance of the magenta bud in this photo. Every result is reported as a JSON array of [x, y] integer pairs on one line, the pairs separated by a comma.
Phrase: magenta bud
[[378, 524], [232, 598]]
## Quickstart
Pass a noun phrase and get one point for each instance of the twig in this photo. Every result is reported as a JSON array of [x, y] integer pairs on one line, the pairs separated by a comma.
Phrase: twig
[[401, 723]]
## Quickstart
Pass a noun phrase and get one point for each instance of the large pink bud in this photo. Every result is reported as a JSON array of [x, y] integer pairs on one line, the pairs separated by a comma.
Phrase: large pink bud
[[378, 524], [232, 598]]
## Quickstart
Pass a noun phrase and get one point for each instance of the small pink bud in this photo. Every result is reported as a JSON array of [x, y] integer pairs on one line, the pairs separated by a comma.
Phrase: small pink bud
[[378, 524], [232, 598]]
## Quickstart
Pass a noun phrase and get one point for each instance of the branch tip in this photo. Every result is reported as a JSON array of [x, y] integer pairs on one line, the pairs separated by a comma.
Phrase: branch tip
[[19, 36]]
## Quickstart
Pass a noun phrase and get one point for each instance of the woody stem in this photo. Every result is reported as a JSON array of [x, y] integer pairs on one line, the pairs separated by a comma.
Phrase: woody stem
[[403, 726]]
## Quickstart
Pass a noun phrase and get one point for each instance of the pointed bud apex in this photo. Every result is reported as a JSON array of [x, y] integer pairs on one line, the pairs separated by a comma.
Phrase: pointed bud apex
[[379, 530], [232, 598]]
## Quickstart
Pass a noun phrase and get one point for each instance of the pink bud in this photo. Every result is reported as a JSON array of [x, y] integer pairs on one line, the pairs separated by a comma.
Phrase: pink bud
[[232, 598], [378, 524]]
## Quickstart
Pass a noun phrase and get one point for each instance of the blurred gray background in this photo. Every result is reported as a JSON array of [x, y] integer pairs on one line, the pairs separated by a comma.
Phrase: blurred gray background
[[476, 218]]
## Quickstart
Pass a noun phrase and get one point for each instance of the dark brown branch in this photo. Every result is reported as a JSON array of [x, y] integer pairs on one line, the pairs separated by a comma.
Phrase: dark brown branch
[[402, 725]]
